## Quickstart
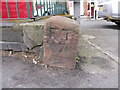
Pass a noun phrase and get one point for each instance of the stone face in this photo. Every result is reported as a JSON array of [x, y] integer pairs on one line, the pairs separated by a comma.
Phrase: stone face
[[12, 33], [60, 42], [33, 38], [33, 35], [63, 23]]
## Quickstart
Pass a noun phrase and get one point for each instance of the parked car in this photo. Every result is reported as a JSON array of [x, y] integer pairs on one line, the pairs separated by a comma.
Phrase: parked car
[[110, 10]]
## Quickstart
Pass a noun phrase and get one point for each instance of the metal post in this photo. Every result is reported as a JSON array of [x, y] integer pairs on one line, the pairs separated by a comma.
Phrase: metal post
[[44, 5], [32, 10], [61, 7], [96, 8], [49, 7], [18, 13], [8, 8], [55, 11], [41, 8], [53, 8], [28, 8], [36, 8], [58, 7], [65, 6]]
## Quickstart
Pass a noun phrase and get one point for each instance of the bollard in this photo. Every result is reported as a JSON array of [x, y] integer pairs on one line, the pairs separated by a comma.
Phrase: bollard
[[60, 42]]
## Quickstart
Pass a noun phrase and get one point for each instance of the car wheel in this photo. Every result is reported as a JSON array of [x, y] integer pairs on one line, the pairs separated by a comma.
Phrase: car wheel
[[118, 23]]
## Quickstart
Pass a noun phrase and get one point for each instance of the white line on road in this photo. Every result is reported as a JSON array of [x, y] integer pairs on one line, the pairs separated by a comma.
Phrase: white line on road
[[112, 56]]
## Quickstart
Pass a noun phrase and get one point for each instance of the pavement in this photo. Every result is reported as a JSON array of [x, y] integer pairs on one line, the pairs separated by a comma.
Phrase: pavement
[[97, 68]]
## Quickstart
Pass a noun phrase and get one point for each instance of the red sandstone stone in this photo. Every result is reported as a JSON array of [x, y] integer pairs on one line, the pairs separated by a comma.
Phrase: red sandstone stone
[[60, 42]]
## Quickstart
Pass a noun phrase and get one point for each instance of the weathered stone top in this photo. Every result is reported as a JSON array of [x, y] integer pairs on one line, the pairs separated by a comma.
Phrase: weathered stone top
[[62, 23], [35, 23], [32, 24]]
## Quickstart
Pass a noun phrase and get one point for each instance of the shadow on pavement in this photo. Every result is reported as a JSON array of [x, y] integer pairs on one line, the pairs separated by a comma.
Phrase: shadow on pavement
[[115, 27]]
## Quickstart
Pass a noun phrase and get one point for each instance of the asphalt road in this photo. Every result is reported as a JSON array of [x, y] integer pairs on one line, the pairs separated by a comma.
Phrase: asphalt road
[[97, 68], [106, 34], [103, 36]]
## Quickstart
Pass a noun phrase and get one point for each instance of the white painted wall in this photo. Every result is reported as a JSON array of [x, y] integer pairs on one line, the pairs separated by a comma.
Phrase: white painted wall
[[71, 7], [81, 7], [77, 11]]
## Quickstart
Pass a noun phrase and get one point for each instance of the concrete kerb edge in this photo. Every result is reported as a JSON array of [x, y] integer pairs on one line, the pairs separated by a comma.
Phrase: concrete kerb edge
[[8, 43], [46, 17]]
